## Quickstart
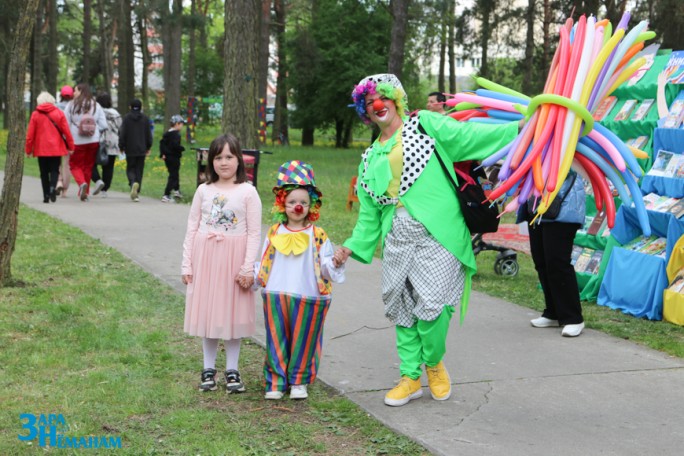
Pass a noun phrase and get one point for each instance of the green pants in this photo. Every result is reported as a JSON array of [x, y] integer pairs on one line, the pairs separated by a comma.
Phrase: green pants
[[423, 343]]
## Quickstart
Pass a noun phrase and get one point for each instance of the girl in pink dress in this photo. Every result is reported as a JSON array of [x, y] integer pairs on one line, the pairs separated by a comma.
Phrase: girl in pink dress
[[221, 244]]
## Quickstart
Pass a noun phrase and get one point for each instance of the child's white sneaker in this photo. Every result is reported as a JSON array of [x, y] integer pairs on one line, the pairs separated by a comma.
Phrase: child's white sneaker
[[274, 395], [298, 392]]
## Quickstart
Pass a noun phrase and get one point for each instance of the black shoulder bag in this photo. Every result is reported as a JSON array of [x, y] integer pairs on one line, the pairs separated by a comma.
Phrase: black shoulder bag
[[480, 215]]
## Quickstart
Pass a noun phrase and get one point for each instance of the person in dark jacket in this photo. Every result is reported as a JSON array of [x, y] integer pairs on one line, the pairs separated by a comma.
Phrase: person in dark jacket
[[135, 140], [170, 150], [49, 139]]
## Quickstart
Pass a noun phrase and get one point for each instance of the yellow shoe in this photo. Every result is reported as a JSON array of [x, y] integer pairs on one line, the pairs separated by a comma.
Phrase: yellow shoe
[[439, 382], [406, 390]]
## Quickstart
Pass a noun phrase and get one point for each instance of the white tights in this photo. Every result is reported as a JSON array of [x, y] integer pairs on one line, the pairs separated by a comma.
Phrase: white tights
[[210, 348]]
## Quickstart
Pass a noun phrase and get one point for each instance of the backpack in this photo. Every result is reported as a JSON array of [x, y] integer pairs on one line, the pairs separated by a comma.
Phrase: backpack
[[87, 125], [111, 134], [481, 216]]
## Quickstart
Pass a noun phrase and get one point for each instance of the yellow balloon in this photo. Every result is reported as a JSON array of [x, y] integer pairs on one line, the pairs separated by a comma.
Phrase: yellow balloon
[[627, 73], [598, 64], [638, 153]]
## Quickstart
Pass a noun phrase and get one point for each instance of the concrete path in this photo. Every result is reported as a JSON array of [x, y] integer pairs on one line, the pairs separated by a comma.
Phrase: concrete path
[[517, 390]]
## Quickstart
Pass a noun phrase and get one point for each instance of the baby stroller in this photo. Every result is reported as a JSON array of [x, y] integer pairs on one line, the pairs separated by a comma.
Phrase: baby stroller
[[506, 263]]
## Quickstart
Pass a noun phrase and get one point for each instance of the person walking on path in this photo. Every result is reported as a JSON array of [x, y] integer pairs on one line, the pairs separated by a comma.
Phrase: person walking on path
[[296, 272], [49, 139], [551, 241], [66, 94], [135, 140], [407, 202], [171, 151], [86, 119], [219, 252], [110, 137]]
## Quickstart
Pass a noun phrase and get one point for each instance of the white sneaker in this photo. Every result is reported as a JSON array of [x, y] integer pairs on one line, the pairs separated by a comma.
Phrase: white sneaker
[[99, 185], [543, 322], [136, 200], [134, 190], [103, 194], [298, 392], [167, 199], [176, 194], [274, 395], [572, 330]]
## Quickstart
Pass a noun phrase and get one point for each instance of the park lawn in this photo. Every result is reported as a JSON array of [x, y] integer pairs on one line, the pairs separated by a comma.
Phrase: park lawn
[[87, 334]]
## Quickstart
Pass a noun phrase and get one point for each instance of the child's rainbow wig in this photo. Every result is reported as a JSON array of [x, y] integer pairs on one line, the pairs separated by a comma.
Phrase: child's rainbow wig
[[278, 209], [387, 85]]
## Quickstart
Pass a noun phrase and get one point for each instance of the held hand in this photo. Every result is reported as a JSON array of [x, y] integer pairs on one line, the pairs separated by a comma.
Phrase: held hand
[[186, 279], [147, 154], [245, 282], [341, 256]]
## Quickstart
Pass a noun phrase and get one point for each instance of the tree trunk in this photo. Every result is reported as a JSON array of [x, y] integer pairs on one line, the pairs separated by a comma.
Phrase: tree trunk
[[307, 136], [14, 165], [450, 47], [87, 33], [141, 23], [442, 52], [126, 88], [527, 84], [37, 83], [172, 60], [192, 41], [52, 55], [265, 34], [487, 9], [240, 86], [281, 121], [399, 25], [107, 35]]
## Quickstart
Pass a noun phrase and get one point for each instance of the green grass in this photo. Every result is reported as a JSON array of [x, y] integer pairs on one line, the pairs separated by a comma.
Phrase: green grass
[[99, 340], [87, 334]]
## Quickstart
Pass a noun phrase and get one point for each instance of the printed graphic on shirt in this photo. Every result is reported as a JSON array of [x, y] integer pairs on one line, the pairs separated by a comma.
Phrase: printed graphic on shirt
[[221, 216]]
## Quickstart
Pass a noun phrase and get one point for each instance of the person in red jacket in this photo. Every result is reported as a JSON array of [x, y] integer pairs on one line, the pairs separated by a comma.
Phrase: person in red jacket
[[48, 138]]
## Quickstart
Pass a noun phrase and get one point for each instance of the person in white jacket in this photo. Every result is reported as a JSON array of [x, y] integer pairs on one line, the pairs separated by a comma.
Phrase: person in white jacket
[[86, 119]]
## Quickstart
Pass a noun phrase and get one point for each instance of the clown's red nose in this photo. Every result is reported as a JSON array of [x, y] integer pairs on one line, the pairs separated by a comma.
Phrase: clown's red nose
[[298, 209], [378, 105]]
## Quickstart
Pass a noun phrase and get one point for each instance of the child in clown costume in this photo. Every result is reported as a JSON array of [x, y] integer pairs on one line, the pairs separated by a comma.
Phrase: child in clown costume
[[407, 202], [295, 272]]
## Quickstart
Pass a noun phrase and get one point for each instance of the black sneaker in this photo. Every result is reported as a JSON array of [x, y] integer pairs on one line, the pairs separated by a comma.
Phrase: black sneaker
[[233, 382], [208, 380]]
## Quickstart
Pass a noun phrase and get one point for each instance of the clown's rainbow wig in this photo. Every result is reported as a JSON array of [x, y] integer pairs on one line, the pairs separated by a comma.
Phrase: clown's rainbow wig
[[385, 89], [278, 209]]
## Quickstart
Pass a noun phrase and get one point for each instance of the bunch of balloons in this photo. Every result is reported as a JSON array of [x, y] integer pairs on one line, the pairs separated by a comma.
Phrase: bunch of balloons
[[560, 133]]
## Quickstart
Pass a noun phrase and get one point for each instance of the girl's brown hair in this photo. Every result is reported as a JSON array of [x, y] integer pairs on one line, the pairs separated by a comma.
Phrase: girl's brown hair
[[216, 147], [84, 101]]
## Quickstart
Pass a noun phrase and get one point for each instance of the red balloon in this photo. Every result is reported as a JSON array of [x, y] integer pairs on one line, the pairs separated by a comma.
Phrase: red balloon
[[378, 105]]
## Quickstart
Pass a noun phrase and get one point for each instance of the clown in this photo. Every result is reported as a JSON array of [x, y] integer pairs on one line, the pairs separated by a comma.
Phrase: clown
[[408, 204], [296, 272]]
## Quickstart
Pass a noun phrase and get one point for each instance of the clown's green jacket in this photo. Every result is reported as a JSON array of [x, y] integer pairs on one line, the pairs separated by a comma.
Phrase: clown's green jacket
[[431, 198]]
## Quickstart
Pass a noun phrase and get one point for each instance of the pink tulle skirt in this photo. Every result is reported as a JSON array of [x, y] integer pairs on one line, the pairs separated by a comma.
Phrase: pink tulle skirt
[[216, 306]]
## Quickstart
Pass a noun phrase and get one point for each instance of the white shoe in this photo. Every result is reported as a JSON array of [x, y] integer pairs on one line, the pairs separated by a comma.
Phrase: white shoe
[[134, 190], [298, 392], [274, 395], [103, 194], [99, 185], [543, 322], [572, 330]]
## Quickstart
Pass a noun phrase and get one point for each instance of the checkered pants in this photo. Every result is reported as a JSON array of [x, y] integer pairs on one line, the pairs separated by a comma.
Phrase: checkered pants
[[419, 276]]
